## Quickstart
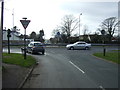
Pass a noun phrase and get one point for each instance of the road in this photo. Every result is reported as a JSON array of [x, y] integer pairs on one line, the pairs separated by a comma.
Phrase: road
[[61, 68]]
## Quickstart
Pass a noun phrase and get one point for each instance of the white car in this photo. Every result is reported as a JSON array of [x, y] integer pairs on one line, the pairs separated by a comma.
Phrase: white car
[[78, 45]]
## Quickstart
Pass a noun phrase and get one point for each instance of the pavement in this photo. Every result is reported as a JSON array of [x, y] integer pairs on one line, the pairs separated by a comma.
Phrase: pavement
[[0, 77], [14, 76]]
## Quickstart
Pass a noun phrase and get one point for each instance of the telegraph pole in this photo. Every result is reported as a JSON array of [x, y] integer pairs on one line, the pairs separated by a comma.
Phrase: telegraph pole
[[1, 28], [1, 38]]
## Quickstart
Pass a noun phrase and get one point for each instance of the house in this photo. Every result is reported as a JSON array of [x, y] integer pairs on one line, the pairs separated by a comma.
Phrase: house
[[14, 35], [14, 39]]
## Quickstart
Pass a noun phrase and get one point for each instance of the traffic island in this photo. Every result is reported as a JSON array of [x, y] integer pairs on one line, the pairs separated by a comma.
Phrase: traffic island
[[111, 56]]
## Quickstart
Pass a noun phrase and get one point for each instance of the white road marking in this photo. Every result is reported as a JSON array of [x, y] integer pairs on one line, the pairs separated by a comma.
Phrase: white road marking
[[76, 67], [47, 54], [101, 87]]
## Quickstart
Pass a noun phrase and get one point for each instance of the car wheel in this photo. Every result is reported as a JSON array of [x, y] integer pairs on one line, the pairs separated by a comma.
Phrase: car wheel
[[26, 51], [32, 52], [86, 48], [71, 48]]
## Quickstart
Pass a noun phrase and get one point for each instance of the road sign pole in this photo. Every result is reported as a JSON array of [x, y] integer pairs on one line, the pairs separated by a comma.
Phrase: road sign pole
[[8, 36], [25, 41], [25, 45], [103, 35], [25, 24]]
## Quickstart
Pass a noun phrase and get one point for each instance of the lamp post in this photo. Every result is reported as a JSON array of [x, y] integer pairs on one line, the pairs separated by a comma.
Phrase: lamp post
[[79, 25]]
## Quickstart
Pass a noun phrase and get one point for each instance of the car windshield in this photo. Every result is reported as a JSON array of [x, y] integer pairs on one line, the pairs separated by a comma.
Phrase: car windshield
[[37, 44]]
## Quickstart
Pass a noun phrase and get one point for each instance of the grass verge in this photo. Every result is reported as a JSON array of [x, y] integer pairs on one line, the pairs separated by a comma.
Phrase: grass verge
[[110, 56], [18, 59]]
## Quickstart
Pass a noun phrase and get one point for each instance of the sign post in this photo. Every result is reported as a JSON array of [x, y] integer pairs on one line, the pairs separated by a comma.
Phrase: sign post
[[103, 34], [8, 36], [25, 24], [58, 36]]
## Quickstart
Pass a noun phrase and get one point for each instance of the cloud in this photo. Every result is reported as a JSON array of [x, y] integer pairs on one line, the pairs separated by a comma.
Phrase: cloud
[[91, 8], [93, 13], [47, 14]]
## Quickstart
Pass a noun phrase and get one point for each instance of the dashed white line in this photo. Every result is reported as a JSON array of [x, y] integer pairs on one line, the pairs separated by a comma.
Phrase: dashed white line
[[76, 67]]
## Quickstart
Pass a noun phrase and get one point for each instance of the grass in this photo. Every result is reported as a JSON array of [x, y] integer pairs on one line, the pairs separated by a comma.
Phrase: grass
[[116, 50], [110, 56], [18, 59]]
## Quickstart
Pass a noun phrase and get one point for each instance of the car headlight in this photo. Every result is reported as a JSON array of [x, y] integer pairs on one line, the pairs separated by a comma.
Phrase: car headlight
[[33, 48]]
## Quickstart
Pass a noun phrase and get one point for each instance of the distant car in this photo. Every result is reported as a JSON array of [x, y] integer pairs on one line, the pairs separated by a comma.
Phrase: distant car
[[78, 45], [35, 47]]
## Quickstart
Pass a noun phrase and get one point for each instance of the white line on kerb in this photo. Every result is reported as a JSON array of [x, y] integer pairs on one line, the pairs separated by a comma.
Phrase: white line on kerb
[[76, 67]]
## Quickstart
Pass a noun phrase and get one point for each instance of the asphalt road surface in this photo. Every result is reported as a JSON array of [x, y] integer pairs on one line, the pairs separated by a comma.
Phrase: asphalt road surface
[[62, 68]]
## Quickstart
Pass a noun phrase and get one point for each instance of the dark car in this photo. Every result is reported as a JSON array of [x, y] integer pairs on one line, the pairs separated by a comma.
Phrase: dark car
[[35, 47]]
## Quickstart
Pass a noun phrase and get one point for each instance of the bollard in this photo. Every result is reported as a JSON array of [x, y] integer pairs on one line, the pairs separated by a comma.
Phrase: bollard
[[104, 51]]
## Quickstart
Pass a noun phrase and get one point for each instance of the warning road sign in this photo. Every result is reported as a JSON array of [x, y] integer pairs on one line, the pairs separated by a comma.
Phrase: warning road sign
[[25, 23]]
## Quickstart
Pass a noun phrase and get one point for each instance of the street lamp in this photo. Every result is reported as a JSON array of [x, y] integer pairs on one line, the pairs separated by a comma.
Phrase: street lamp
[[79, 25]]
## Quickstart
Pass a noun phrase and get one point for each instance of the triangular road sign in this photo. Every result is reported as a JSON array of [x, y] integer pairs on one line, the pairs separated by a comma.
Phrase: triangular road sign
[[25, 23]]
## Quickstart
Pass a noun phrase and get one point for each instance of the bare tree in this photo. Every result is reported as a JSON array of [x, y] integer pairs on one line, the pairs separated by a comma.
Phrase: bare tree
[[110, 26], [33, 35], [15, 31], [69, 24], [86, 30], [54, 32], [86, 33], [41, 34]]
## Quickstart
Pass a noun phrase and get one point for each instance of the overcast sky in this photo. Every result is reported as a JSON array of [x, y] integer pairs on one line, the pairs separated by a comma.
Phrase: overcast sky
[[47, 14]]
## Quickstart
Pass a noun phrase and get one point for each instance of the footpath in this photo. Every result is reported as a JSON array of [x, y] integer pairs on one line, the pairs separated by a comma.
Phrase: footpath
[[14, 76], [0, 77]]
